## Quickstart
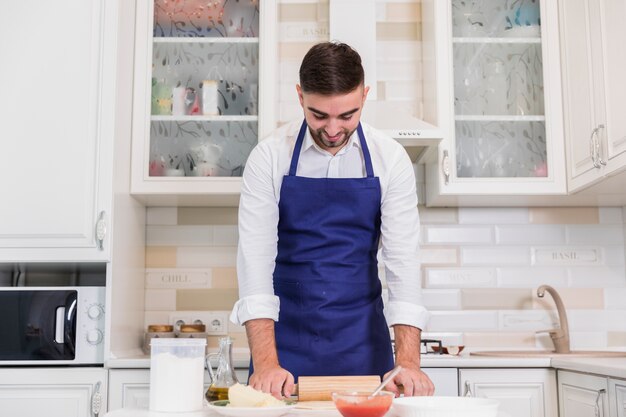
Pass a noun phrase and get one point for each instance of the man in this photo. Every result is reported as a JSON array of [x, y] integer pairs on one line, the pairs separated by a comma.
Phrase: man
[[317, 198]]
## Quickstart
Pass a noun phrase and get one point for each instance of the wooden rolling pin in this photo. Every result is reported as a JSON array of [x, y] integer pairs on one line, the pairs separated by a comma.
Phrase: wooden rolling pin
[[319, 388]]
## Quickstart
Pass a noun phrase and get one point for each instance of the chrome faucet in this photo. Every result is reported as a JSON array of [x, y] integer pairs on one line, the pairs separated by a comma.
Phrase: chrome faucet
[[560, 337]]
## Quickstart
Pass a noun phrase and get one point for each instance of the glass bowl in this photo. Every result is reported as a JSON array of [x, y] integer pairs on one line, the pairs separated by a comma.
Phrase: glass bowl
[[362, 404]]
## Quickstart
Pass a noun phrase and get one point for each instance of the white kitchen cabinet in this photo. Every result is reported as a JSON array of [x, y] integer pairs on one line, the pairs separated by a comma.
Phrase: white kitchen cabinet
[[594, 88], [58, 83], [130, 388], [446, 381], [493, 85], [521, 392], [582, 395], [204, 94], [617, 397], [53, 392]]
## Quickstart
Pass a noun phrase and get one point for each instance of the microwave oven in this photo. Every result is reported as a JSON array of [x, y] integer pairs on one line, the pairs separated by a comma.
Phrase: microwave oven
[[58, 324]]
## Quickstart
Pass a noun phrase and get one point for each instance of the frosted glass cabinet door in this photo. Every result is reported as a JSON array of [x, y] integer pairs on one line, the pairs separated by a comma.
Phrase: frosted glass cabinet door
[[498, 89], [504, 114], [197, 93]]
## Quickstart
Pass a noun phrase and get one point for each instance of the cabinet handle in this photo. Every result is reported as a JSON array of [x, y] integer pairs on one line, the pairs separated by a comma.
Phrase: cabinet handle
[[597, 406], [468, 389], [602, 161], [101, 230], [96, 400], [445, 166], [594, 145]]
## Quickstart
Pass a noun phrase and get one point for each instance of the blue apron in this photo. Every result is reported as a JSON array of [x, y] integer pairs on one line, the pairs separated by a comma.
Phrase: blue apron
[[331, 318]]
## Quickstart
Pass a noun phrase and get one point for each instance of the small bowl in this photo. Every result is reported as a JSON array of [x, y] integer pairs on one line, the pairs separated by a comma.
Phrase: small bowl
[[362, 404], [449, 350]]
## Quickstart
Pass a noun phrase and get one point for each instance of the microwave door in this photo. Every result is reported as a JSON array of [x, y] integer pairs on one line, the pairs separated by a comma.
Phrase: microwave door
[[28, 325]]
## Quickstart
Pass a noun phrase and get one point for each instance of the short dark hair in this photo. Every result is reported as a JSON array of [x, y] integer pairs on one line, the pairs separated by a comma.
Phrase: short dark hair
[[331, 68]]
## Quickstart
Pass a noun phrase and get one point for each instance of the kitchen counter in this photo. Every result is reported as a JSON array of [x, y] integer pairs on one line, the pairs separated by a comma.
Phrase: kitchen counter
[[241, 359], [130, 412], [612, 367]]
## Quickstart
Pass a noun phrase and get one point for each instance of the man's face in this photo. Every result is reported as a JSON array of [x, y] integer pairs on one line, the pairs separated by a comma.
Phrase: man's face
[[332, 119]]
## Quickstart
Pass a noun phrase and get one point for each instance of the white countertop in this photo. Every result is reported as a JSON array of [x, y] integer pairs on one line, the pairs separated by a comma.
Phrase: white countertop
[[206, 412], [241, 359], [612, 367]]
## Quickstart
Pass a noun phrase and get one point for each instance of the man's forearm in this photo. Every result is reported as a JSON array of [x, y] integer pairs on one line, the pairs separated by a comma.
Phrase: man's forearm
[[262, 342], [407, 342]]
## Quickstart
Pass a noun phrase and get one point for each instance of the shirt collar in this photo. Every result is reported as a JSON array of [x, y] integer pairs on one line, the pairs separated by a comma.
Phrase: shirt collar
[[309, 143]]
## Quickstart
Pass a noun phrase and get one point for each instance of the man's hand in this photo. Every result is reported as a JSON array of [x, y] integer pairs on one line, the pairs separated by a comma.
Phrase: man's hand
[[414, 381], [274, 380], [268, 375]]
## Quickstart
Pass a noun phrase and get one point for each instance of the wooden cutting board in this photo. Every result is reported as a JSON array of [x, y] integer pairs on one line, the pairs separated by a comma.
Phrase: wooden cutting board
[[320, 388]]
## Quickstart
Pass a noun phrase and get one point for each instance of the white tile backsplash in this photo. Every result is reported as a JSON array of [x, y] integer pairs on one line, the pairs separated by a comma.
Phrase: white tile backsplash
[[467, 235], [206, 257], [567, 255], [225, 235], [162, 215], [178, 278], [530, 235], [597, 277], [459, 278], [615, 298], [595, 235], [438, 255], [463, 321], [160, 299], [474, 215], [518, 320], [614, 255], [596, 320], [587, 340], [399, 50], [495, 255], [179, 235], [441, 299], [610, 215]]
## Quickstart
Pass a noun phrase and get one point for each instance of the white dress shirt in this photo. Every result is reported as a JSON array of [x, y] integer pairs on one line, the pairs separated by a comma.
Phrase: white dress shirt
[[269, 162]]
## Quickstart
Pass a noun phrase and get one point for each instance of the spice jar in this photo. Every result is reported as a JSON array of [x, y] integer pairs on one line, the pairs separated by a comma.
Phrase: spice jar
[[157, 331]]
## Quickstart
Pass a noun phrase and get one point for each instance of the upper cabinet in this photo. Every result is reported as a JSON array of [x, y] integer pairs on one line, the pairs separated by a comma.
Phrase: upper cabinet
[[594, 61], [492, 83], [57, 157], [204, 95]]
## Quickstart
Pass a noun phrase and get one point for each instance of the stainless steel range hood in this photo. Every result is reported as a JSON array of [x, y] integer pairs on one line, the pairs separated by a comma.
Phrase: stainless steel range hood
[[416, 135]]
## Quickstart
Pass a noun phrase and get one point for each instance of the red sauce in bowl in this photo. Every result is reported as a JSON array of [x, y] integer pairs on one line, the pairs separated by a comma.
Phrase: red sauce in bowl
[[371, 407]]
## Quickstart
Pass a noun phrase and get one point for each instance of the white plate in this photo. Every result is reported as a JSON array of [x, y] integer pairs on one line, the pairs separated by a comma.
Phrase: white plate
[[221, 407]]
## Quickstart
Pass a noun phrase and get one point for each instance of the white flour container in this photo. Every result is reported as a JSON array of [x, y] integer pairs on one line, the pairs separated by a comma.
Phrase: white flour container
[[177, 375]]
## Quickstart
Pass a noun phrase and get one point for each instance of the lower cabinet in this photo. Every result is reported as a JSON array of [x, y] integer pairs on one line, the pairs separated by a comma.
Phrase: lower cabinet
[[521, 392], [617, 396], [130, 388], [53, 392], [583, 395], [446, 381]]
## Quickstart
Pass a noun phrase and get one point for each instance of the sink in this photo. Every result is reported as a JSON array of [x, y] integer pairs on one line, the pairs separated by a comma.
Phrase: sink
[[549, 354]]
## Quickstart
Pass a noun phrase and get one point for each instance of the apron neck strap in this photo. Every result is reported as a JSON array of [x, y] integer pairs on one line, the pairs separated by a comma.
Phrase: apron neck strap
[[298, 147]]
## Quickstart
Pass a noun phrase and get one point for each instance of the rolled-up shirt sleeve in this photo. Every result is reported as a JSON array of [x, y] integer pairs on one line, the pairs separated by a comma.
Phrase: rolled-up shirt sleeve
[[258, 237], [400, 246]]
